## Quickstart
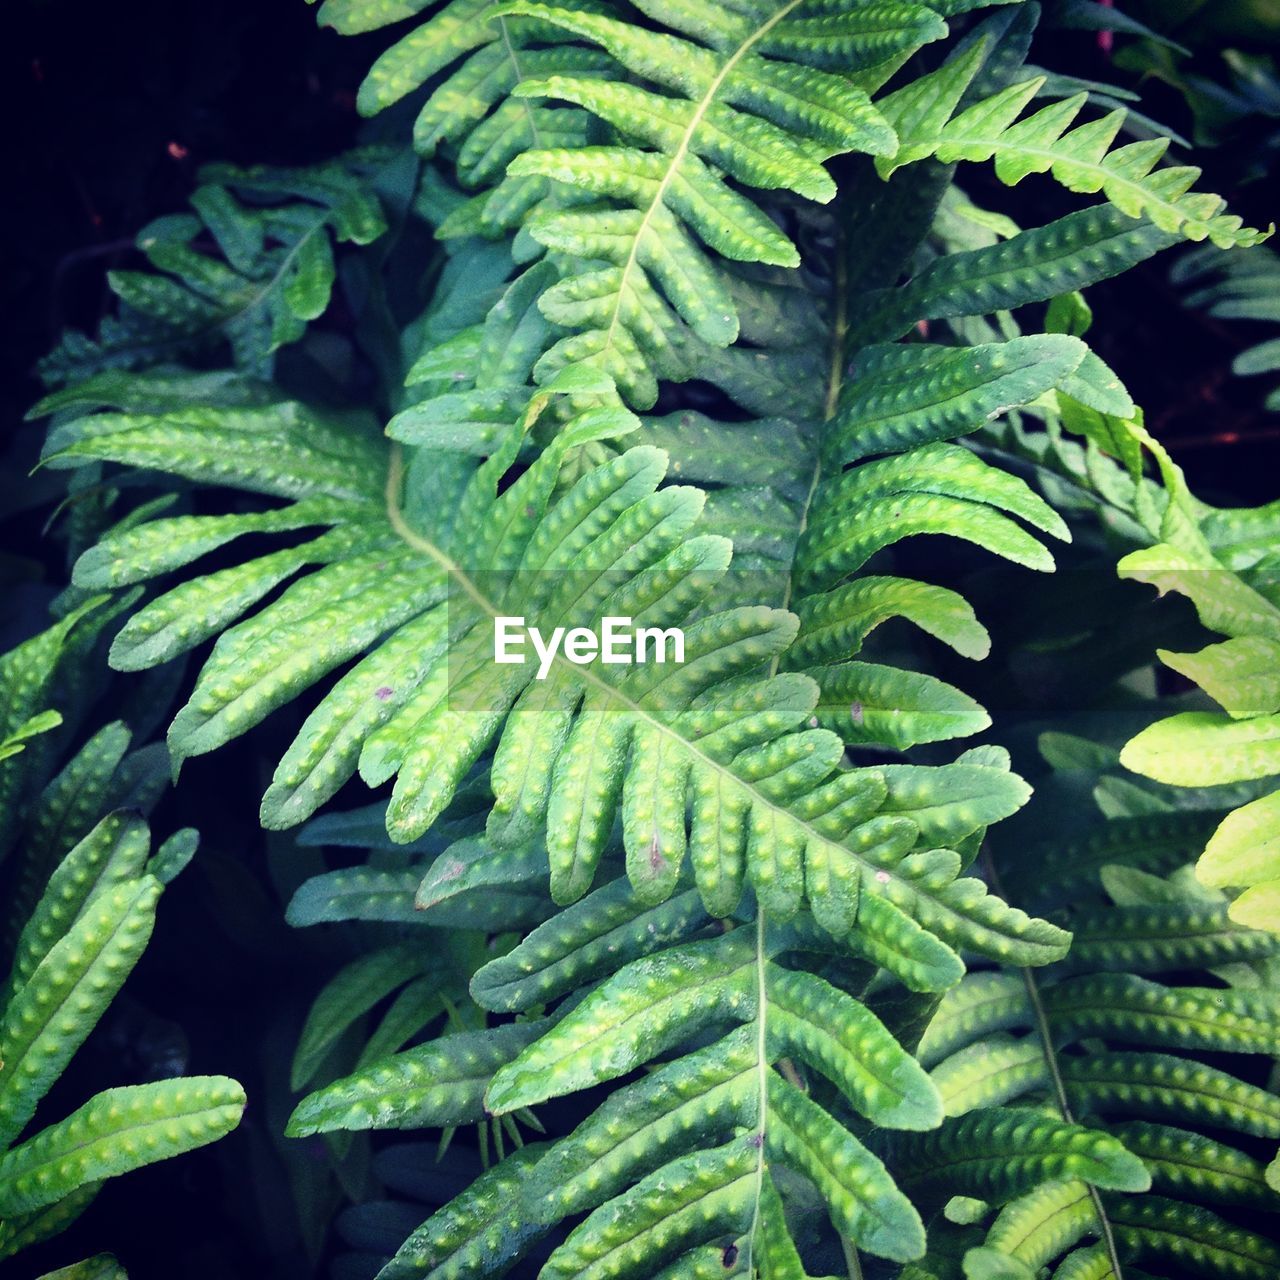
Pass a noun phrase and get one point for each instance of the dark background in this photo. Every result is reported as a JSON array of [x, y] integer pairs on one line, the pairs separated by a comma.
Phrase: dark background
[[110, 110]]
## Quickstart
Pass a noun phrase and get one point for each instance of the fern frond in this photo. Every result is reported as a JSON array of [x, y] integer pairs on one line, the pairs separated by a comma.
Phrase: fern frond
[[1240, 741], [1031, 266], [1190, 1165], [1239, 286], [483, 1227], [79, 944], [999, 1152], [1120, 1052], [81, 906], [115, 1132], [1169, 1233], [745, 94], [28, 1229], [1159, 1086], [442, 1083], [1165, 939], [924, 116], [352, 992], [756, 925], [27, 676], [1034, 1229], [693, 1132], [738, 770], [268, 273]]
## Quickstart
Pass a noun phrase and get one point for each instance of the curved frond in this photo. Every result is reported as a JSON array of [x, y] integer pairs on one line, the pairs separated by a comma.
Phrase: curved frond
[[925, 117]]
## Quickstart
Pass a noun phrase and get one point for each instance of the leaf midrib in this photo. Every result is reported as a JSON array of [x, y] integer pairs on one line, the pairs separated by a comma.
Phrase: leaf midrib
[[677, 158]]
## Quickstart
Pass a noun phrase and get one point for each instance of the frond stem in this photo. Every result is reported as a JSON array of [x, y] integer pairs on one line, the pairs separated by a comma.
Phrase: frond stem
[[835, 381], [678, 155], [514, 59], [852, 1265], [1059, 1087], [839, 328], [762, 1084]]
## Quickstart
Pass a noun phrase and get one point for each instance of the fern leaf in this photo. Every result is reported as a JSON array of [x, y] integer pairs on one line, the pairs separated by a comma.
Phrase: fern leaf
[[1079, 157], [115, 1132], [1036, 1228], [661, 1215], [694, 1121], [1238, 674], [27, 1229], [663, 715], [1239, 286], [1158, 843], [49, 1017], [1162, 1087], [1090, 1263], [904, 396], [608, 926], [1179, 1016], [627, 1022], [868, 703], [17, 739], [696, 1098], [1031, 266], [272, 272], [864, 1201], [114, 852], [1170, 1233], [982, 1003], [27, 679], [1158, 939], [1204, 748], [1243, 851], [92, 781], [352, 992], [481, 1227], [306, 458], [943, 488], [988, 1073], [1190, 1166], [836, 623], [747, 95], [999, 1152], [442, 1083]]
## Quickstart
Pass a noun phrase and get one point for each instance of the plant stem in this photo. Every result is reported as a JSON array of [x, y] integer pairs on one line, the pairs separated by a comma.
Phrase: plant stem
[[852, 1265], [1059, 1086]]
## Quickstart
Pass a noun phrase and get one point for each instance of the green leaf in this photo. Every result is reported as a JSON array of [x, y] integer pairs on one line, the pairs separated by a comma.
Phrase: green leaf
[[484, 1226], [49, 1017], [1242, 675], [115, 1132], [709, 1194], [866, 703], [347, 996], [17, 739], [586, 940], [998, 1152], [903, 396], [112, 854], [437, 1084], [1032, 266], [1205, 748], [630, 1019], [1081, 158]]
